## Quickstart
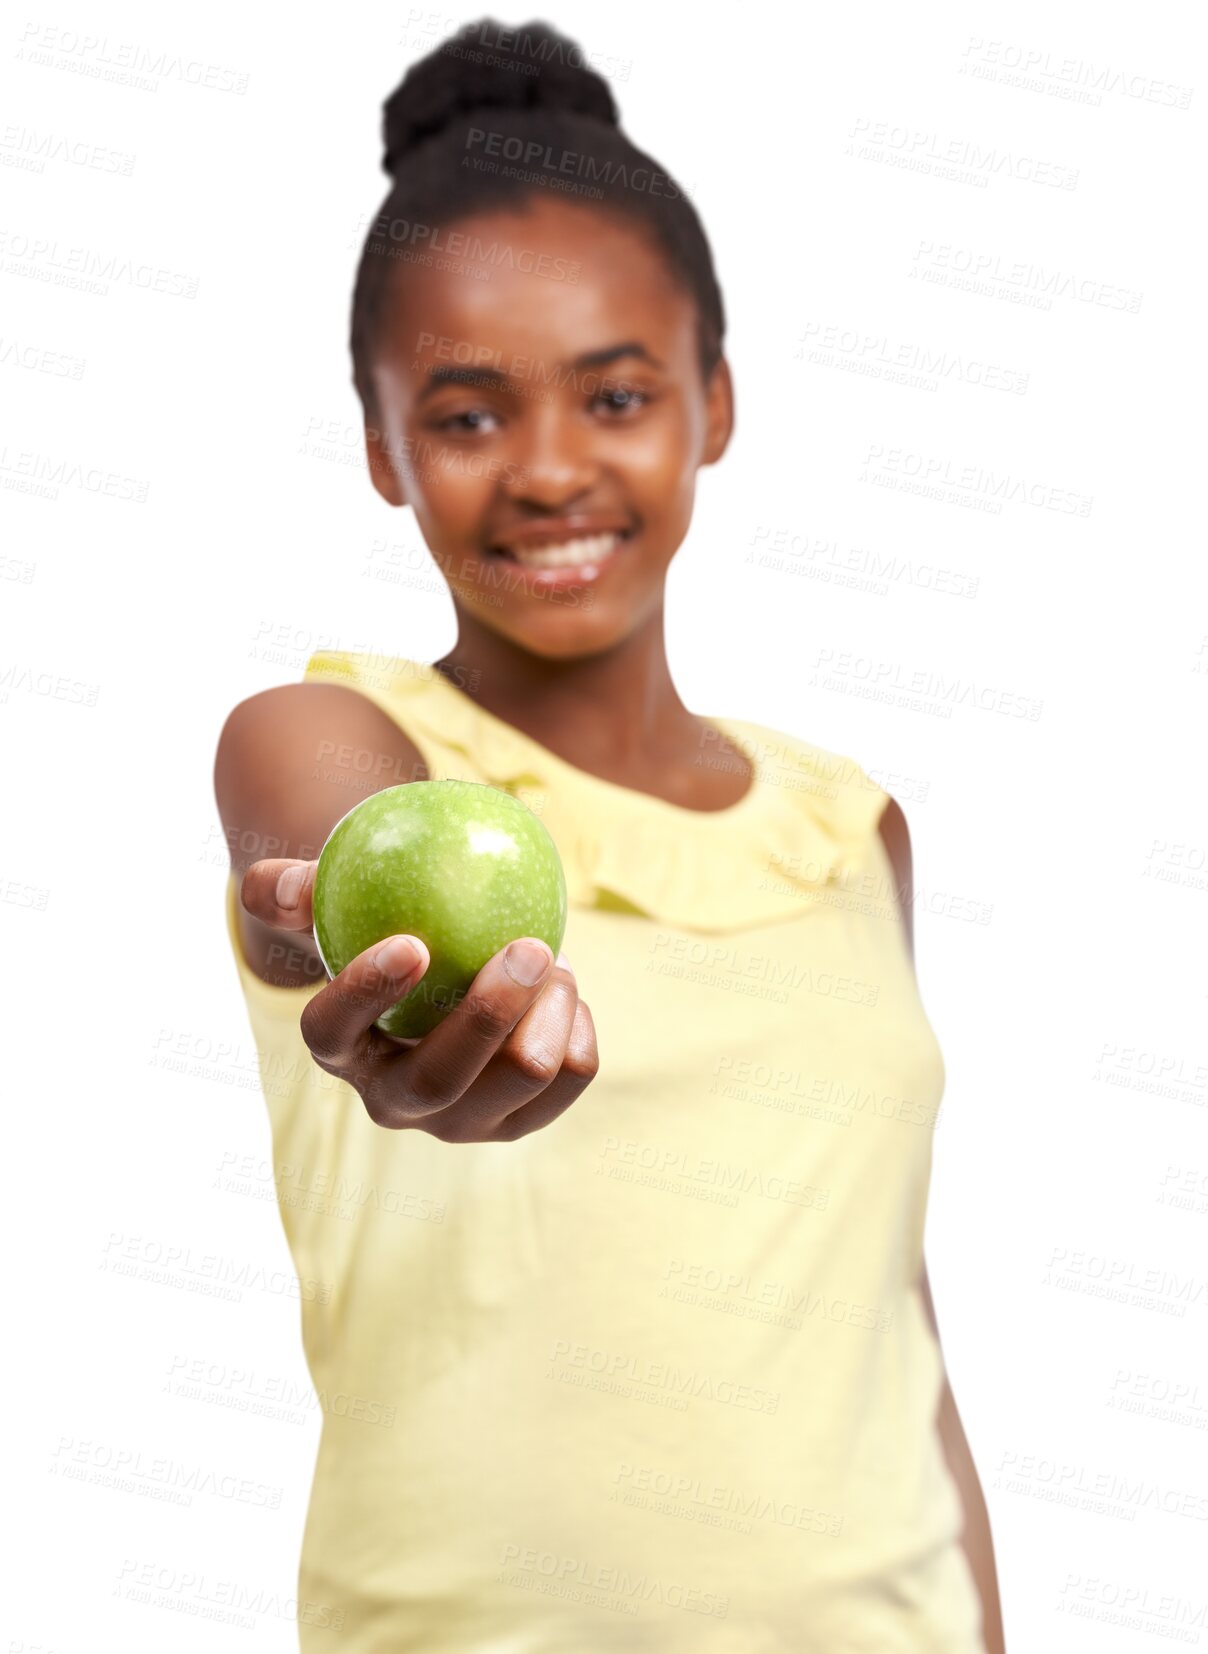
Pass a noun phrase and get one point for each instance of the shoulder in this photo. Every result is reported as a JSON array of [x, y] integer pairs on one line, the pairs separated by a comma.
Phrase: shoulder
[[839, 791], [861, 806], [307, 752], [312, 719], [895, 836], [834, 785], [291, 762]]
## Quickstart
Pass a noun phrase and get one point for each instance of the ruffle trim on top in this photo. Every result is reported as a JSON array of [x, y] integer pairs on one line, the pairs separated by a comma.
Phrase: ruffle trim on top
[[802, 825]]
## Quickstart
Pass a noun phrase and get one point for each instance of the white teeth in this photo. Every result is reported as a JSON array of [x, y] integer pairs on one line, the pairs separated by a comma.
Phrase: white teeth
[[570, 553]]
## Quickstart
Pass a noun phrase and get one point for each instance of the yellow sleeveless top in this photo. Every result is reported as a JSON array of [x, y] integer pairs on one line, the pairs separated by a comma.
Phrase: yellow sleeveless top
[[658, 1376]]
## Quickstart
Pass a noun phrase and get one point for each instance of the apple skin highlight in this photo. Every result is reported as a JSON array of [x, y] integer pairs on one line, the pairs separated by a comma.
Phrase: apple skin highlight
[[464, 866]]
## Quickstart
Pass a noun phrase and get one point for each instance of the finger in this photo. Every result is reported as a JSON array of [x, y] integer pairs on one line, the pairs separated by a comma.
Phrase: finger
[[579, 1067], [438, 1070], [337, 1024], [526, 1064], [280, 892]]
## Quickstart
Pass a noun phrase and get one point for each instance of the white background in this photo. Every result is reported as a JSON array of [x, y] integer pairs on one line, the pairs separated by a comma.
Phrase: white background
[[1079, 837]]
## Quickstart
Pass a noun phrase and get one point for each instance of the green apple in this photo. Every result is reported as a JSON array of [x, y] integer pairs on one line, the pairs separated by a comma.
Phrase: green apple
[[464, 866]]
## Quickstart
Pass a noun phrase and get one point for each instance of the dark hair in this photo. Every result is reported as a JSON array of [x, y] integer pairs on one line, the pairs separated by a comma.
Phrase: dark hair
[[546, 109]]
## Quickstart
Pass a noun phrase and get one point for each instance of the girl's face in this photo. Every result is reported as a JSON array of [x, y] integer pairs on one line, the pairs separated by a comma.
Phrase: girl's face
[[558, 400]]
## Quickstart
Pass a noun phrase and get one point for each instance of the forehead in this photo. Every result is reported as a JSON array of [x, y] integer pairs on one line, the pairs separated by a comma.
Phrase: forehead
[[548, 280]]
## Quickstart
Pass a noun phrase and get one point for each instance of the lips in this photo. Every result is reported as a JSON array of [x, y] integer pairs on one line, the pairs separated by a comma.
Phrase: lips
[[567, 542], [581, 561], [577, 552]]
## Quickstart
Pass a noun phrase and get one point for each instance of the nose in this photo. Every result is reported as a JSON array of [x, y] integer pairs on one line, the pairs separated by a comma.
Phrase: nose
[[553, 460]]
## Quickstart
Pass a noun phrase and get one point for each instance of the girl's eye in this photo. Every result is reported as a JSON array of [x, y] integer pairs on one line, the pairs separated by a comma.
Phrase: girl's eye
[[620, 401], [635, 399], [476, 415]]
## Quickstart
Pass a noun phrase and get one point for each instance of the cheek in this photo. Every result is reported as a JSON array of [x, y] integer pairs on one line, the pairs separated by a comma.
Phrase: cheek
[[659, 465], [450, 499], [448, 486]]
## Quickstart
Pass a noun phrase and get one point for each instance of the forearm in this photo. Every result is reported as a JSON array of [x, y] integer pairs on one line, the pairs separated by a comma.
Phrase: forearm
[[975, 1537]]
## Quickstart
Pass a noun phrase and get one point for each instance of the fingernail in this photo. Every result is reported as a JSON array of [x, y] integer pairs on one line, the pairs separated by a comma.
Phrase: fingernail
[[398, 956], [565, 963], [289, 885], [527, 962]]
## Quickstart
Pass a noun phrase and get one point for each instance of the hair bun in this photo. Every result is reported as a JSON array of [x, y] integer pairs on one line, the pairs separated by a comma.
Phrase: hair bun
[[487, 65]]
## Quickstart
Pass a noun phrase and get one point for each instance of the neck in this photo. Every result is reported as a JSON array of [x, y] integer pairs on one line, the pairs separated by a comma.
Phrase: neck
[[615, 708]]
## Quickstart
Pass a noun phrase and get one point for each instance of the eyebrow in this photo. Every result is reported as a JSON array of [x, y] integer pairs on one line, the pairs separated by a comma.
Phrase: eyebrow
[[439, 376]]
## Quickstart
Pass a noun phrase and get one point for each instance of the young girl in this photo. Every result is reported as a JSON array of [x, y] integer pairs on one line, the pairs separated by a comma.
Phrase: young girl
[[618, 1315]]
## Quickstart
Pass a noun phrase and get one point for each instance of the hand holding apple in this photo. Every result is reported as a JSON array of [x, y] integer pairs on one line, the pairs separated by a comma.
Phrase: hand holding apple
[[509, 1054], [463, 866]]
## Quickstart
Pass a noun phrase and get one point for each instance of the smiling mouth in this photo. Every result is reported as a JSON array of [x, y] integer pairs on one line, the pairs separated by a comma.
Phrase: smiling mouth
[[581, 551]]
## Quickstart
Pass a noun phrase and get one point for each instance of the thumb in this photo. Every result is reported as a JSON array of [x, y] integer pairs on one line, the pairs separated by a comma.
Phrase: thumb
[[280, 892]]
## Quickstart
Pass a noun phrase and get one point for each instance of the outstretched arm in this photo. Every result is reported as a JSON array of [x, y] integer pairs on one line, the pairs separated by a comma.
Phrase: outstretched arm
[[975, 1536]]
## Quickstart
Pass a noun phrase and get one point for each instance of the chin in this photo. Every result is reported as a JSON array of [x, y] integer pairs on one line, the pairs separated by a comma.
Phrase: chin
[[569, 637]]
